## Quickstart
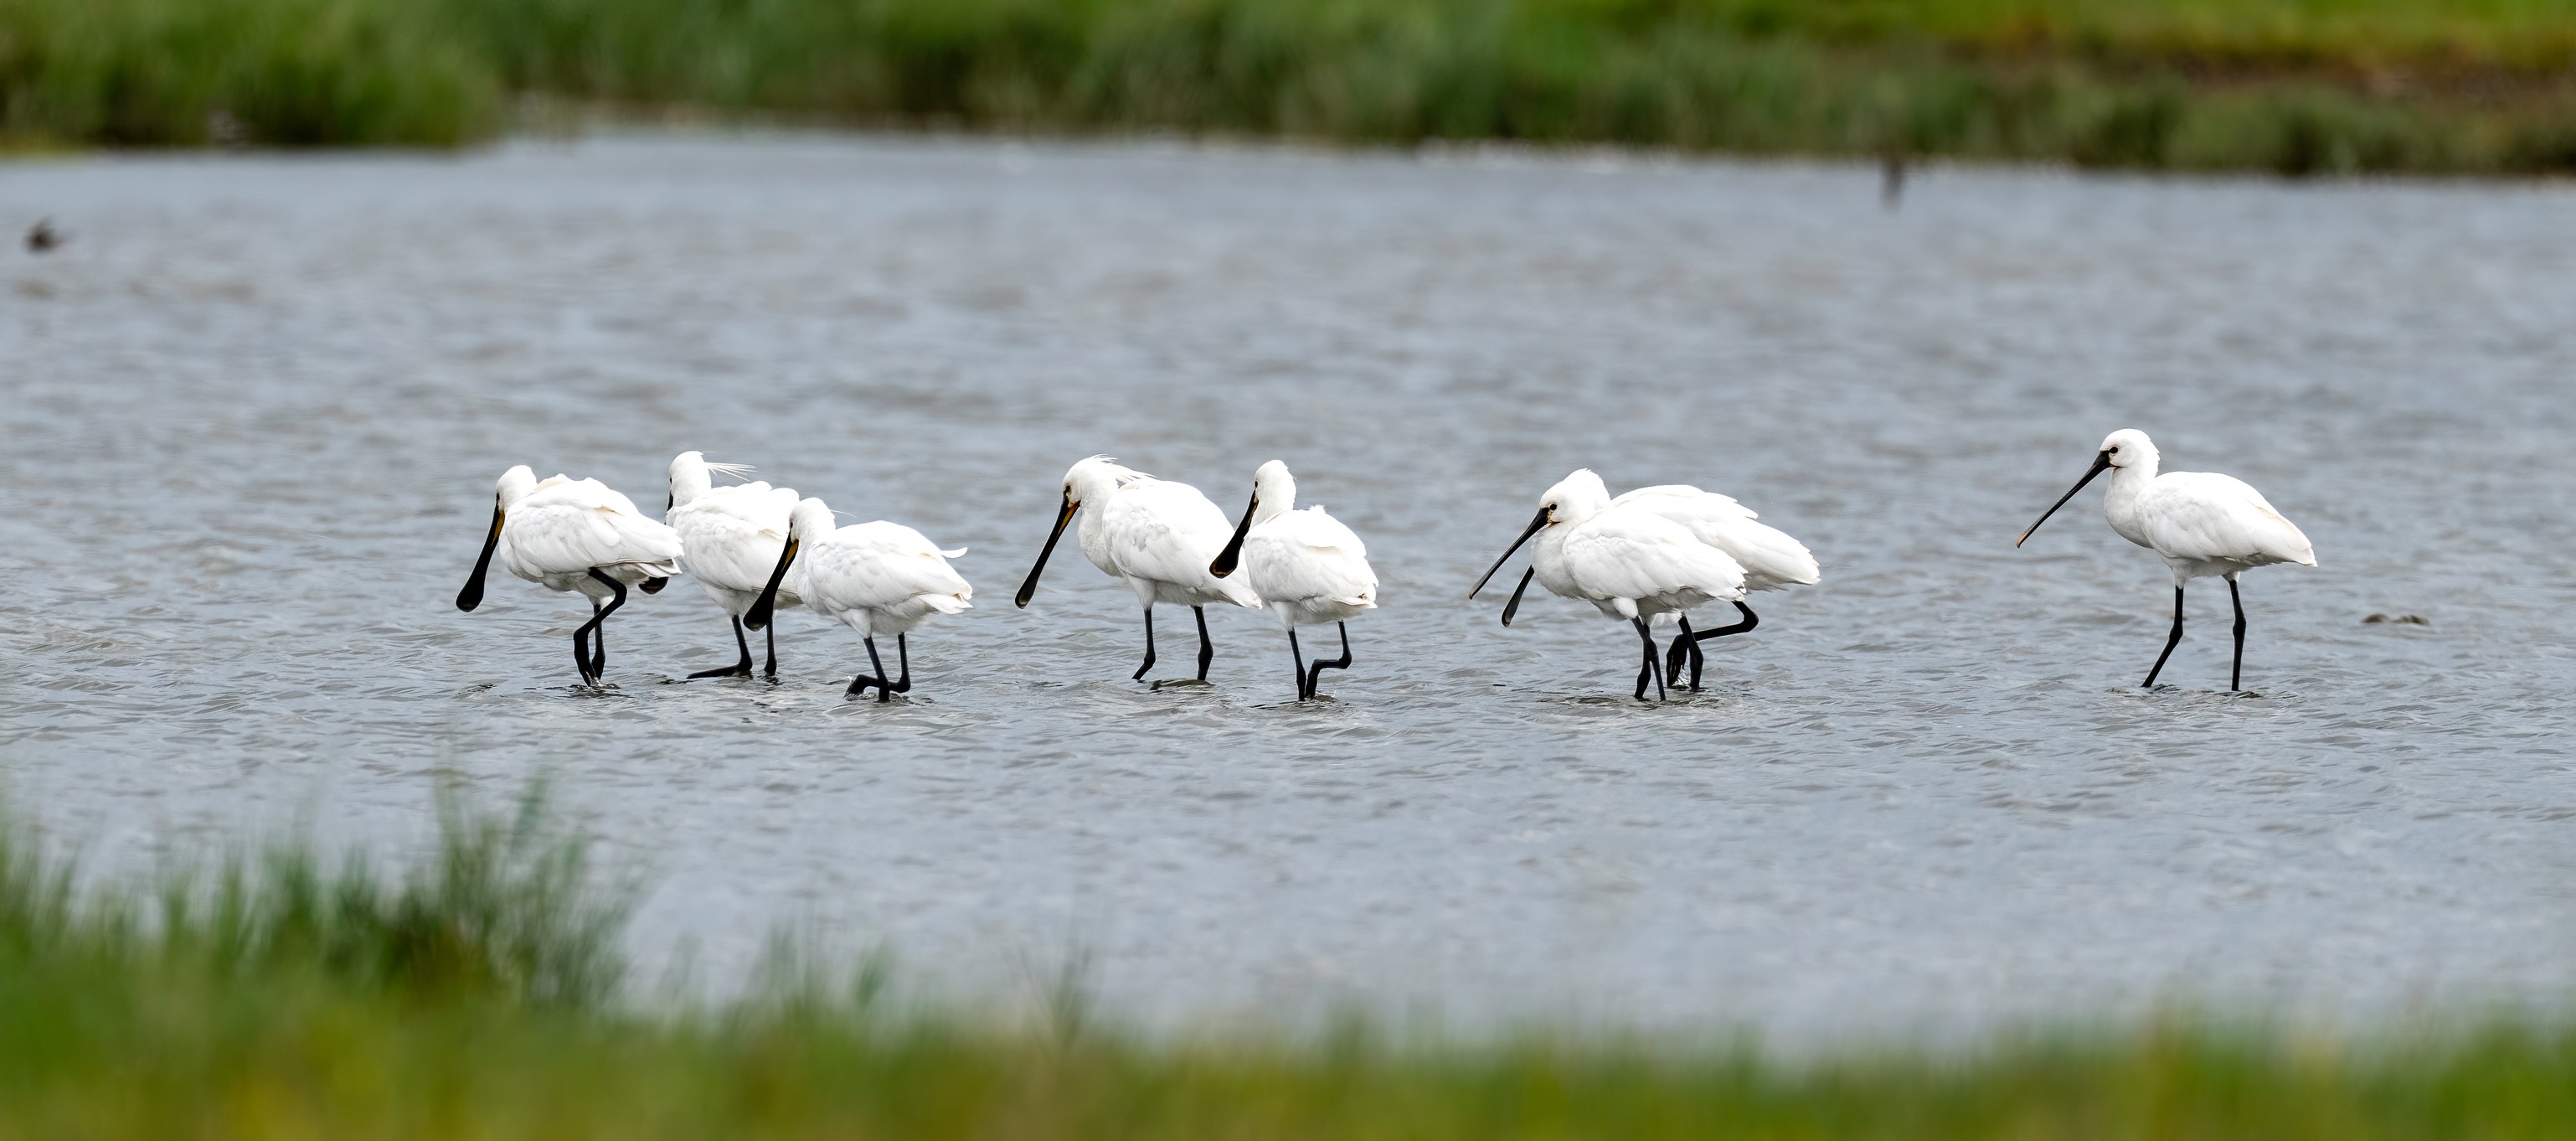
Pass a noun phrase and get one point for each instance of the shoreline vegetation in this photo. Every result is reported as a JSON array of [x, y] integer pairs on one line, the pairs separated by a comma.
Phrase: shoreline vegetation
[[480, 992], [2295, 87]]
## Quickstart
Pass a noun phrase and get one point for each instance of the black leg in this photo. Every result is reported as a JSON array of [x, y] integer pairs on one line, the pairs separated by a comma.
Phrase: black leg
[[738, 669], [859, 685], [581, 645], [1149, 644], [1653, 668], [1315, 672], [1207, 650], [1299, 657], [2236, 672], [902, 655], [2171, 640], [1750, 620], [596, 665], [772, 671], [1681, 647]]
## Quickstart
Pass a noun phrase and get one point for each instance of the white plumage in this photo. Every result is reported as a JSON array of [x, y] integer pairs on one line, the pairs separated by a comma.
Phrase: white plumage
[[1771, 559], [730, 539], [1306, 566], [2201, 523], [1626, 559], [1155, 535], [570, 534], [876, 578]]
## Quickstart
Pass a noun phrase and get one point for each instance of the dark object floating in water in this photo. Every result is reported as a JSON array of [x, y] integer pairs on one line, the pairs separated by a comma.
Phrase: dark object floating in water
[[43, 237], [2399, 619]]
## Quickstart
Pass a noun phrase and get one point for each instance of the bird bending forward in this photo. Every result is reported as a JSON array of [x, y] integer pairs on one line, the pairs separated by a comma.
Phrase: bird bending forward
[[1155, 535], [570, 534], [1307, 567], [876, 578]]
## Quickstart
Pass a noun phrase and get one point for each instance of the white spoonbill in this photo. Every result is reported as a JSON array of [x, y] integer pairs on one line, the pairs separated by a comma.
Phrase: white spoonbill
[[1155, 535], [1624, 559], [1770, 558], [878, 578], [1307, 567], [2201, 523], [574, 534], [730, 538]]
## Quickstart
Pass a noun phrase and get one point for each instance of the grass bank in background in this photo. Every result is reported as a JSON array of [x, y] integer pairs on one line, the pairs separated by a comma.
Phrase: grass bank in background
[[2293, 86], [478, 994]]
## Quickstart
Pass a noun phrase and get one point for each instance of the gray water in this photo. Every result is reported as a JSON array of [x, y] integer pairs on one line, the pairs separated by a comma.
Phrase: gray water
[[253, 414]]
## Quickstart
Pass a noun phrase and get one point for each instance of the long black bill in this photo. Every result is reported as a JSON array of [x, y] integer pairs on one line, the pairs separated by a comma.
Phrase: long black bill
[[1536, 521], [472, 595], [1029, 589], [761, 611], [2100, 462], [1514, 606], [1233, 552]]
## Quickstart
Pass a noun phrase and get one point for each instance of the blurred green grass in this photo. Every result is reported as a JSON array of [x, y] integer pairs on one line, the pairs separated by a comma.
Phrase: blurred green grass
[[2293, 86], [479, 993]]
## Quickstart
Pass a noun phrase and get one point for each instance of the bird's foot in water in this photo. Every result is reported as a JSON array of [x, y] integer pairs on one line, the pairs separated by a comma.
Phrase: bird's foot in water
[[1180, 683]]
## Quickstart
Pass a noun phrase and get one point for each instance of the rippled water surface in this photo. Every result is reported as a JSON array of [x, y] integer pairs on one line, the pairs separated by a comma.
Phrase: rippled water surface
[[254, 410]]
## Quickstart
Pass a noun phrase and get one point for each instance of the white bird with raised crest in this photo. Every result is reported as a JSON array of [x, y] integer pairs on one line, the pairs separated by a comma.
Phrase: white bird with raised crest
[[730, 538], [1307, 567], [570, 534], [876, 578], [1625, 559], [1155, 535], [2201, 523]]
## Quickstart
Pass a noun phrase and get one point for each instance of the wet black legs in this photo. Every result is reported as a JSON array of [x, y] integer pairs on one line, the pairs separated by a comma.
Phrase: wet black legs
[[2236, 671], [1686, 644], [1653, 668], [593, 663], [885, 689], [1149, 646], [741, 668], [1207, 649], [2171, 640], [1309, 675], [2235, 668]]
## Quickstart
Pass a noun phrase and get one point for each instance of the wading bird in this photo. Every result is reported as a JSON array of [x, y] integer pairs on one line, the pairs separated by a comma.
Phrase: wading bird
[[730, 538], [1770, 559], [877, 578], [1307, 567], [1627, 561], [574, 534], [1155, 535], [2201, 523]]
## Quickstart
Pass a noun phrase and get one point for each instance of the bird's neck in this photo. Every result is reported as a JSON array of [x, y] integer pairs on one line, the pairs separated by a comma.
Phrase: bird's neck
[[2120, 500]]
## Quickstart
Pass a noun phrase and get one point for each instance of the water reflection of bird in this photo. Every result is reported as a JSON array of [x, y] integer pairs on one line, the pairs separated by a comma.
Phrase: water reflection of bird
[[876, 578], [1630, 562], [730, 537], [1770, 558], [1155, 535], [2201, 523], [44, 238], [574, 534], [1307, 567]]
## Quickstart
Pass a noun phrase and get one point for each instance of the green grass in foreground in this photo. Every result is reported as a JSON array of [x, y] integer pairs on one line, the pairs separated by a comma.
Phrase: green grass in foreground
[[2294, 86], [478, 995]]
